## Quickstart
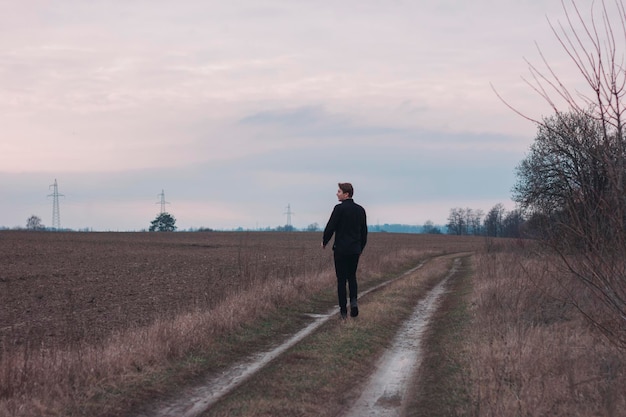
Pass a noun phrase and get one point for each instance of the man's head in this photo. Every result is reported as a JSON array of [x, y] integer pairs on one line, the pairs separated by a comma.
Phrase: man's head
[[345, 191]]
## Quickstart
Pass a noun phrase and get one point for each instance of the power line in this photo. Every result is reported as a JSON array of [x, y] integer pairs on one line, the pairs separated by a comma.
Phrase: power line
[[56, 212]]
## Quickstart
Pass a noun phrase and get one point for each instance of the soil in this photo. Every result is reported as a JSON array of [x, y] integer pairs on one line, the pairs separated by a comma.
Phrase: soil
[[62, 288], [58, 289]]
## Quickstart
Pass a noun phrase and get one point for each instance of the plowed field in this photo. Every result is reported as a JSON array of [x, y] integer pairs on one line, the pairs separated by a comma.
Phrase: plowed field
[[62, 288], [65, 287]]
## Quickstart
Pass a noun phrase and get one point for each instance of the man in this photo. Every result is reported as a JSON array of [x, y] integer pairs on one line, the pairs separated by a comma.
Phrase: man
[[349, 225]]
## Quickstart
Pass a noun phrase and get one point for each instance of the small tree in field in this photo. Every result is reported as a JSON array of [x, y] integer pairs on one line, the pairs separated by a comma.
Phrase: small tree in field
[[34, 223], [430, 228], [164, 222]]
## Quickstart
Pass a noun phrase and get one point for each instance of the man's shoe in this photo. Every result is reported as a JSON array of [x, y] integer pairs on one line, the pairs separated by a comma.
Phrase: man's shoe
[[343, 313], [354, 311]]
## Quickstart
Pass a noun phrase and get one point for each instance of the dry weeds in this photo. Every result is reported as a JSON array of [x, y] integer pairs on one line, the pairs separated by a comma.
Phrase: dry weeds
[[530, 352], [526, 350], [97, 374], [323, 374]]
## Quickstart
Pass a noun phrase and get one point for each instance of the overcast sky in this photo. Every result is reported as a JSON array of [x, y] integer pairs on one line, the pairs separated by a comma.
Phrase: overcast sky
[[237, 109]]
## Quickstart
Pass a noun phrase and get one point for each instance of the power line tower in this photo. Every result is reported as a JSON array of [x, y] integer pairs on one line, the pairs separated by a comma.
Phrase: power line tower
[[289, 213], [56, 213], [162, 202]]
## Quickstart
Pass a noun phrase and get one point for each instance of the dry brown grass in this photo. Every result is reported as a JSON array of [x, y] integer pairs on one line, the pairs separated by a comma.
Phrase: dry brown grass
[[525, 349], [128, 357], [530, 353], [441, 387], [323, 374], [107, 374]]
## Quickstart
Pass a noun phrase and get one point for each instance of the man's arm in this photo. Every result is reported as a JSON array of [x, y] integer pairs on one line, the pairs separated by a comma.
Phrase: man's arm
[[330, 226], [364, 231]]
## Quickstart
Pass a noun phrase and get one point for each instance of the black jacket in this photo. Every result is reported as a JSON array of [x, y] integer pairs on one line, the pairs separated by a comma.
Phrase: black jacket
[[349, 224]]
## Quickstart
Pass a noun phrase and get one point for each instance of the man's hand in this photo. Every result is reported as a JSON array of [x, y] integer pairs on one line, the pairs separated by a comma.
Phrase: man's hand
[[322, 245]]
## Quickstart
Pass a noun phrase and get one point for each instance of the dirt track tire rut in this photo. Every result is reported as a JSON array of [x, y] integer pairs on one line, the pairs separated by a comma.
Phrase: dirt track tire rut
[[385, 393], [383, 396]]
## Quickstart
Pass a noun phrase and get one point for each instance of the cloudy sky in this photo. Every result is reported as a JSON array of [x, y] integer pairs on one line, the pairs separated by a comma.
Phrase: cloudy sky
[[239, 109]]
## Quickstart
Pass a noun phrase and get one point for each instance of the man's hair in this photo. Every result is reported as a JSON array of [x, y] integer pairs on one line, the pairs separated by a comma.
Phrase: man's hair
[[346, 187]]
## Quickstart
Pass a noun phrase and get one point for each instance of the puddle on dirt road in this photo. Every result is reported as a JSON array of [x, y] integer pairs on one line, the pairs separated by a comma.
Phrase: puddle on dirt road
[[385, 392], [196, 400]]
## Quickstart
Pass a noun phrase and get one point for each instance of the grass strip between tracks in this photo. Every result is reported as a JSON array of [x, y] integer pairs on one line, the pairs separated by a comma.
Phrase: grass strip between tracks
[[348, 351], [323, 375], [442, 386], [150, 383]]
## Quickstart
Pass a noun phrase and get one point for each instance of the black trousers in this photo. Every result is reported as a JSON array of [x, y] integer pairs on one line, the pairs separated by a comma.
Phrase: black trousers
[[345, 268]]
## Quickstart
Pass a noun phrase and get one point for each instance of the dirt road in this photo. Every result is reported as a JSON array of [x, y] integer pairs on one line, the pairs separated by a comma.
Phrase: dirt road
[[385, 392], [383, 395]]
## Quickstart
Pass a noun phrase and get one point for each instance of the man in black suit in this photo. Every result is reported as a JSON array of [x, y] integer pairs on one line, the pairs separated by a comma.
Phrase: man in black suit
[[349, 225]]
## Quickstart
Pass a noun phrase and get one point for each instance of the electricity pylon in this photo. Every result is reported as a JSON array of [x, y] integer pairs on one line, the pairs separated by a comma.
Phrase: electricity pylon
[[289, 213], [56, 213], [162, 202]]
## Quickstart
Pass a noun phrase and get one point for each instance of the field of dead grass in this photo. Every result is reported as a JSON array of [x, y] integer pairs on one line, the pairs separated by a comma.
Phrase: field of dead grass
[[99, 323], [324, 374], [93, 323], [525, 350]]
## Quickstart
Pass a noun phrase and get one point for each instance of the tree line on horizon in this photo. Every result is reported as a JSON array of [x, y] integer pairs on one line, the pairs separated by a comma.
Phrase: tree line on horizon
[[497, 223], [461, 222]]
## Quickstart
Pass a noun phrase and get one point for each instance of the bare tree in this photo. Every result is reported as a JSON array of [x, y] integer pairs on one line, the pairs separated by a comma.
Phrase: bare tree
[[512, 224], [574, 177], [564, 177], [473, 219], [457, 224], [34, 223], [464, 221], [430, 228], [493, 221]]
